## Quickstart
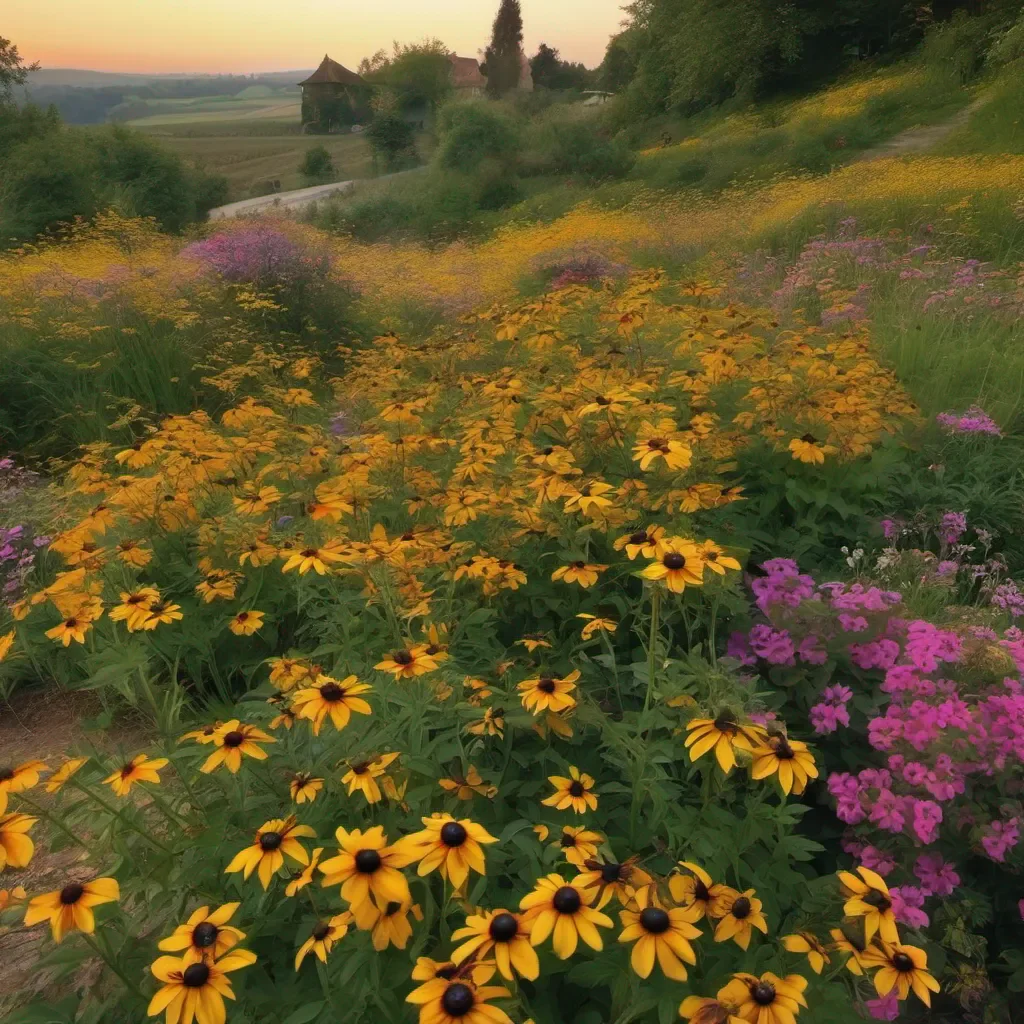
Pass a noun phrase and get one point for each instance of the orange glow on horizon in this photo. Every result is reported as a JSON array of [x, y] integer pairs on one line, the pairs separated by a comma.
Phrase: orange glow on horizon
[[243, 36]]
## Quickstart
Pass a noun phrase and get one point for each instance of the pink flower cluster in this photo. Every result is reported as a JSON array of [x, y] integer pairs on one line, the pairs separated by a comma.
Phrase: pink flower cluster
[[974, 421]]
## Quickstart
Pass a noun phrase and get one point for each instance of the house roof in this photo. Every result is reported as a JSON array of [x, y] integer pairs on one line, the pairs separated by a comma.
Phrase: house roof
[[466, 73], [331, 72]]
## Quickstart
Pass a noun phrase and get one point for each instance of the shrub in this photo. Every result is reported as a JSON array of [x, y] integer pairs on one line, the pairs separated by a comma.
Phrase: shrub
[[317, 165], [471, 132], [578, 149], [391, 137]]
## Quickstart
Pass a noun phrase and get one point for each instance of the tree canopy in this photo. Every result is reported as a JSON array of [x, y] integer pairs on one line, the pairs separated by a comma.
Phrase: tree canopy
[[417, 73], [501, 58], [13, 69]]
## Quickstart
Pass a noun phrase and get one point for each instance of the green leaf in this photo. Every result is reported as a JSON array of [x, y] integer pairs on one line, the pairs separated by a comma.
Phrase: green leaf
[[304, 1014]]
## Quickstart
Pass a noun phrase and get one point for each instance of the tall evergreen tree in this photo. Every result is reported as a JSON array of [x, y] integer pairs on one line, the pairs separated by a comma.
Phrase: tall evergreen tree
[[502, 56]]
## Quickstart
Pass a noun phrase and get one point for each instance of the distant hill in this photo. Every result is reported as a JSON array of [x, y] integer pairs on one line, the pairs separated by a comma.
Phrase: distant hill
[[84, 79]]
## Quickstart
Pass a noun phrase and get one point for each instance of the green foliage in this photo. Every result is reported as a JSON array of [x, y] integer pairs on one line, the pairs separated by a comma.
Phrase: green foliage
[[502, 56], [417, 74], [391, 137], [13, 69], [475, 131], [549, 71], [578, 149], [959, 46], [317, 165]]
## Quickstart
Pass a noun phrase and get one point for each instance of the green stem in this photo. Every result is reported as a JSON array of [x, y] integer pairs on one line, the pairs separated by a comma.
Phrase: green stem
[[107, 957], [56, 822], [117, 814], [652, 646]]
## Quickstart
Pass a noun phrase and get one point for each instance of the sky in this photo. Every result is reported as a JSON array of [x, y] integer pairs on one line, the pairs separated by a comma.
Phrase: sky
[[270, 35]]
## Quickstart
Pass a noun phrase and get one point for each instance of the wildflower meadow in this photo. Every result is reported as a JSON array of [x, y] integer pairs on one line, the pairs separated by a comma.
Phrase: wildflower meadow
[[616, 619]]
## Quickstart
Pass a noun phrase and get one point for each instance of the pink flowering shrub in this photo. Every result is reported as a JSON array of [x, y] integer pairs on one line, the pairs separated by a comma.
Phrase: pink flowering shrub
[[921, 729]]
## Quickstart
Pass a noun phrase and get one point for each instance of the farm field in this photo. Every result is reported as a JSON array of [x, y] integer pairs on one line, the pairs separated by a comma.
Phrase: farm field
[[597, 601]]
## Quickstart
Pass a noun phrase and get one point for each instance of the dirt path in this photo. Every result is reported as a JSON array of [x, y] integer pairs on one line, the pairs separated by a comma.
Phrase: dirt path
[[917, 140]]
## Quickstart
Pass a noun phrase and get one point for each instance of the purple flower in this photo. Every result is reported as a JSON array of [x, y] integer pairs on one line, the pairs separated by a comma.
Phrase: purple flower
[[885, 1007]]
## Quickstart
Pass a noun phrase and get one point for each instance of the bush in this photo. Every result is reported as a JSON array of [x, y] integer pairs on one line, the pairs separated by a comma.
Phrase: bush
[[317, 165], [471, 132], [578, 149], [391, 137], [958, 47]]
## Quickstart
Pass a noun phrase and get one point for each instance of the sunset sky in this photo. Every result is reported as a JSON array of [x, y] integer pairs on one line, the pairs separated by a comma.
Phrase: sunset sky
[[268, 35]]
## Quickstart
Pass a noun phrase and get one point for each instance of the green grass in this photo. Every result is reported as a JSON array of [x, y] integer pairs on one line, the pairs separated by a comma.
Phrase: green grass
[[997, 126]]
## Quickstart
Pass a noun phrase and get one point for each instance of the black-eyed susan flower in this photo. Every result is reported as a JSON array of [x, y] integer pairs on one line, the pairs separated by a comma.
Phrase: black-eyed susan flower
[[724, 735], [70, 908], [233, 741], [205, 935], [458, 1001], [704, 1010], [610, 879], [641, 542], [789, 759], [162, 613], [858, 953], [19, 779], [492, 723], [305, 876], [743, 913], [578, 844], [274, 840], [195, 990], [7, 642], [563, 908], [427, 970], [766, 1000], [140, 768], [548, 693], [9, 897], [450, 846], [905, 969], [868, 897], [584, 573], [807, 943], [362, 776], [365, 865], [408, 662], [677, 564], [285, 718], [388, 922], [204, 734], [674, 453], [323, 937], [318, 560], [809, 449], [574, 793], [246, 623], [716, 559], [56, 781], [331, 698], [16, 848], [533, 640], [304, 787], [596, 623], [287, 673], [693, 887], [134, 607], [659, 933], [503, 935], [468, 786], [73, 628]]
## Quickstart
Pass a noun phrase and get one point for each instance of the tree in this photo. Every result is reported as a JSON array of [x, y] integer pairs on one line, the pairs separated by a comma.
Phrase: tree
[[545, 67], [391, 137], [317, 164], [619, 64], [13, 69], [502, 56], [420, 73]]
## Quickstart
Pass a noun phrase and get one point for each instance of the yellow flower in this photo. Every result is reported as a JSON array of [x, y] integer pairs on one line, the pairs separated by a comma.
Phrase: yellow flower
[[332, 699], [696, 889], [134, 607], [233, 740], [659, 933], [595, 623], [449, 845], [573, 793], [18, 779], [407, 662], [765, 1000], [549, 693], [70, 908], [133, 553], [805, 942], [274, 840], [502, 934], [578, 844], [8, 897], [465, 788], [303, 787], [868, 897], [579, 572], [16, 848], [161, 613], [563, 908], [641, 542], [317, 559], [905, 969], [6, 643], [305, 876], [715, 558], [678, 565], [246, 623], [610, 879], [675, 454], [458, 1001], [366, 866], [323, 937], [139, 769], [74, 627], [742, 913], [789, 759], [491, 724], [533, 641], [725, 736], [194, 990], [362, 776], [56, 781], [204, 936], [388, 922], [810, 450]]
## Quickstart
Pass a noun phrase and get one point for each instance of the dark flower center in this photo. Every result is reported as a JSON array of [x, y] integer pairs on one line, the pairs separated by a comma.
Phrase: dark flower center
[[234, 739], [567, 900], [578, 565], [504, 928], [725, 723], [402, 658], [657, 443], [741, 907], [638, 538], [196, 975], [447, 972], [610, 872], [458, 1000], [331, 692], [321, 931], [700, 891], [204, 934], [309, 553], [392, 908], [546, 685], [876, 899], [270, 841], [367, 861], [576, 788], [673, 561], [71, 894], [783, 751], [568, 841], [654, 920], [453, 834], [432, 650], [71, 623], [809, 439], [902, 962], [601, 400], [6, 774], [762, 993], [127, 770]]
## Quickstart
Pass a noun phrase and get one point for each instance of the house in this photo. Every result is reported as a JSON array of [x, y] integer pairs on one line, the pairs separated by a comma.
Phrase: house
[[334, 97], [467, 78]]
